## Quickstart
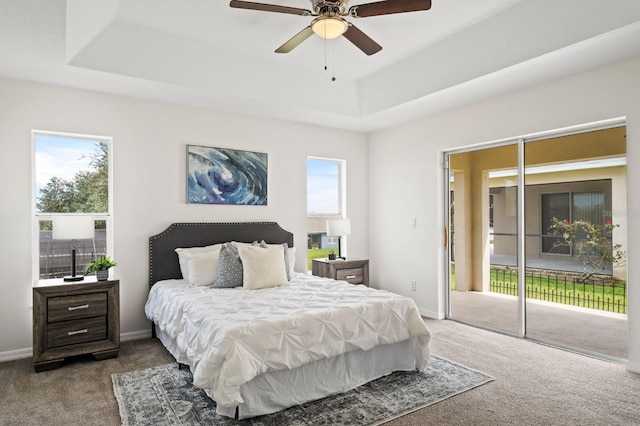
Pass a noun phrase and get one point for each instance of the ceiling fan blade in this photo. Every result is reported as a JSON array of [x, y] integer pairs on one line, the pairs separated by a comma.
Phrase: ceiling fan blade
[[388, 7], [361, 40], [295, 40], [269, 8]]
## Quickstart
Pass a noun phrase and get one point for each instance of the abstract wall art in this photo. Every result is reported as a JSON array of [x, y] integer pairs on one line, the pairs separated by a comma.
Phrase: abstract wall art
[[226, 176]]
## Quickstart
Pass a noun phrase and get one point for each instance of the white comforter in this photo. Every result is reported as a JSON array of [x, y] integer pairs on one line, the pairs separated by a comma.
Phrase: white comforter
[[231, 336]]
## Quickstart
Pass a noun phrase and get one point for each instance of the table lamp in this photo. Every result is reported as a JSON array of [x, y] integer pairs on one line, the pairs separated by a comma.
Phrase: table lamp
[[339, 228], [73, 228]]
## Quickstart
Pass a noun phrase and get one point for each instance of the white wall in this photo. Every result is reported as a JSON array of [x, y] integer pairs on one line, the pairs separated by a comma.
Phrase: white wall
[[149, 163], [406, 175]]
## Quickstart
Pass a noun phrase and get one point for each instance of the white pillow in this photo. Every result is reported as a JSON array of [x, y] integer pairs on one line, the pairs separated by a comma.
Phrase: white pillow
[[262, 268], [290, 252], [184, 254], [203, 268]]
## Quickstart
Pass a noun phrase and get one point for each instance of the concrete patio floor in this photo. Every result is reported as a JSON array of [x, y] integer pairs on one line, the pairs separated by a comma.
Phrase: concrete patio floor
[[586, 329]]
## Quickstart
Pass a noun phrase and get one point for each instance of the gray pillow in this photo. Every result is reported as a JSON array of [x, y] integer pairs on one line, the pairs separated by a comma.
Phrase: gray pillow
[[229, 268]]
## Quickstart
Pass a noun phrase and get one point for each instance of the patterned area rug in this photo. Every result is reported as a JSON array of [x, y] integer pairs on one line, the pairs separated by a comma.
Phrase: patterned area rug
[[164, 395]]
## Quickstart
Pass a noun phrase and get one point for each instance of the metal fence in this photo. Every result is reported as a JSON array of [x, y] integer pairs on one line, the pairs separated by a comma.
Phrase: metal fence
[[55, 255], [604, 293]]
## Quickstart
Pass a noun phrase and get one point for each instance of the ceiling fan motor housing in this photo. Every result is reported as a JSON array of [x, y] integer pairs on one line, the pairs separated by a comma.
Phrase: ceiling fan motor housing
[[339, 7]]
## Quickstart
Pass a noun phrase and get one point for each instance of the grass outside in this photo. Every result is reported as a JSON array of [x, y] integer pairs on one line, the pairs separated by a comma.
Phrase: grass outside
[[608, 296], [316, 254]]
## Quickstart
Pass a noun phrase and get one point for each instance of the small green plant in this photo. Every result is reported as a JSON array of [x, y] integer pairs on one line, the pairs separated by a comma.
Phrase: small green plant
[[101, 264]]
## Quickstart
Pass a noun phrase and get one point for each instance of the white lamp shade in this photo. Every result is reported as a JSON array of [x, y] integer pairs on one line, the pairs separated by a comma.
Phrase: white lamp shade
[[339, 227], [329, 27], [73, 227]]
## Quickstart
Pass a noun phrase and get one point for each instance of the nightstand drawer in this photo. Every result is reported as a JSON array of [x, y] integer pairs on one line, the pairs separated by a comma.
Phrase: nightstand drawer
[[354, 271], [353, 275], [79, 331], [75, 307]]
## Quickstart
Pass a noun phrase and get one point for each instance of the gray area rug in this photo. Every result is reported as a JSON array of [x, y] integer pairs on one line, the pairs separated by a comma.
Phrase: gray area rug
[[164, 395]]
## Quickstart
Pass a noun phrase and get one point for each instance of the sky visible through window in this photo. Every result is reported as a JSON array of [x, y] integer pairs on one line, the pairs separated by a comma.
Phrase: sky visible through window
[[323, 187], [61, 157]]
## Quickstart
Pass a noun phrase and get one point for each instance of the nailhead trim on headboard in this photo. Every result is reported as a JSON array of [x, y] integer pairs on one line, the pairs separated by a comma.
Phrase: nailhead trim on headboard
[[163, 261]]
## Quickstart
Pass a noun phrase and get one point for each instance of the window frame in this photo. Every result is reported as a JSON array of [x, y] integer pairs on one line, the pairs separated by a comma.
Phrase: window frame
[[571, 207], [37, 217]]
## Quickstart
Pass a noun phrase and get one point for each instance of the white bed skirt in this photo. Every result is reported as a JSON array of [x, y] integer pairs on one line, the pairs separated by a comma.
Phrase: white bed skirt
[[274, 391]]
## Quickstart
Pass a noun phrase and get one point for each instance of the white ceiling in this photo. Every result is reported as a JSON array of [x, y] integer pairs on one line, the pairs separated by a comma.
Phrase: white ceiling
[[204, 53]]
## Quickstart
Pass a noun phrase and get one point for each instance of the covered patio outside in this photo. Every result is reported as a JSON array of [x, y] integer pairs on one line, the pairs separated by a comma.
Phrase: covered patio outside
[[576, 178], [586, 329]]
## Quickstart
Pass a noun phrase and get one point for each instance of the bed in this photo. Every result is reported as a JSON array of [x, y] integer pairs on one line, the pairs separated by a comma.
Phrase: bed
[[258, 351]]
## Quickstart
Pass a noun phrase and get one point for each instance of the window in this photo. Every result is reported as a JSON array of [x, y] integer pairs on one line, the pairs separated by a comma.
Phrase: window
[[554, 205], [71, 182], [570, 206], [325, 200]]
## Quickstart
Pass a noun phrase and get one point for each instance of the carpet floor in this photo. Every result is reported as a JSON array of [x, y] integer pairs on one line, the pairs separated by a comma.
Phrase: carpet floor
[[534, 385]]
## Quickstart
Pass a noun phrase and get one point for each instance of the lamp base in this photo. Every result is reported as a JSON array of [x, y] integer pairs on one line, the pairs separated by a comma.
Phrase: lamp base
[[74, 278]]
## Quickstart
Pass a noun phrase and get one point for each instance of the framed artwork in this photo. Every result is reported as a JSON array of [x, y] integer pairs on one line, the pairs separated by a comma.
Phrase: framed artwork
[[226, 176]]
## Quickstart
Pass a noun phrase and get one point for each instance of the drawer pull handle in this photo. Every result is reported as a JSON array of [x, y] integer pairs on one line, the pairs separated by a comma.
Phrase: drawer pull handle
[[73, 333], [75, 308], [350, 276]]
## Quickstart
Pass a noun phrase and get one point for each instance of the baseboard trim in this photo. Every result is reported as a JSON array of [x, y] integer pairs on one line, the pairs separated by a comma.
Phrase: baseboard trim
[[431, 314], [135, 335], [633, 367], [28, 352], [17, 354]]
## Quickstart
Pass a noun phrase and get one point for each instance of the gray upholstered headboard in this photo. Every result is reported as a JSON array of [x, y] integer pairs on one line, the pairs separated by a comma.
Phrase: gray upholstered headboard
[[163, 260]]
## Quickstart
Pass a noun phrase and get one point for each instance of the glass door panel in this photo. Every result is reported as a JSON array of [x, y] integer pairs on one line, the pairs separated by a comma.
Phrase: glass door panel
[[483, 210], [575, 288]]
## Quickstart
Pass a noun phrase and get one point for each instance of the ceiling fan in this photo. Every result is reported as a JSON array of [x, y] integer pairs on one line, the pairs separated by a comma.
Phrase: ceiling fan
[[330, 23]]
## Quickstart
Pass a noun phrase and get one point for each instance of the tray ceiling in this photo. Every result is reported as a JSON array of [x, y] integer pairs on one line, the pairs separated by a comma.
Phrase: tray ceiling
[[205, 53]]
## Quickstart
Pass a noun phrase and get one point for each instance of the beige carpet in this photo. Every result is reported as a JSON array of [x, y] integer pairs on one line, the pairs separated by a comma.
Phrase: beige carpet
[[535, 385]]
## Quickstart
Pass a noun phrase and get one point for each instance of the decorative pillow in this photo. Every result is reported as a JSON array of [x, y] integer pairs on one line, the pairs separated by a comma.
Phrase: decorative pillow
[[184, 254], [289, 256], [229, 268], [263, 267], [203, 268]]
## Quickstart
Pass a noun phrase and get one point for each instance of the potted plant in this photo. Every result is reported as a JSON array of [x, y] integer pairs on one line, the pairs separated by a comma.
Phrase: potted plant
[[332, 255], [101, 267]]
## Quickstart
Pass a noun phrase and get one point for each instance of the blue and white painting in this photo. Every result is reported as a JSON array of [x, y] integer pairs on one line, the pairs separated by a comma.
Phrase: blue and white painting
[[226, 176]]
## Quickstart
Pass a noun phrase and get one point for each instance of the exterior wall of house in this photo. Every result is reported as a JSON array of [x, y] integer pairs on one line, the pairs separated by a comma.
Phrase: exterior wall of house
[[317, 230], [610, 180], [478, 165], [322, 240]]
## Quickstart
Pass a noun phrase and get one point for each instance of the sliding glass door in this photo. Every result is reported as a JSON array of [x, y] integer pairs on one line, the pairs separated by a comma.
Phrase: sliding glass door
[[537, 238], [575, 274], [483, 235]]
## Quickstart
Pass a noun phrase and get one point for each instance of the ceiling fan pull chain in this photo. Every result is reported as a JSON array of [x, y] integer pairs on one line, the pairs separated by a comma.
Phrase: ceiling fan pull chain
[[333, 59], [325, 54]]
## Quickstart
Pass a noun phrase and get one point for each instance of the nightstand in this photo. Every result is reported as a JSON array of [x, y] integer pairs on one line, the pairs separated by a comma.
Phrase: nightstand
[[72, 319], [355, 271]]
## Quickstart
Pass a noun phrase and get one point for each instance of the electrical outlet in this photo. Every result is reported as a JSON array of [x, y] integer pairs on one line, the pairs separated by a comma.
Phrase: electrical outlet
[[413, 285]]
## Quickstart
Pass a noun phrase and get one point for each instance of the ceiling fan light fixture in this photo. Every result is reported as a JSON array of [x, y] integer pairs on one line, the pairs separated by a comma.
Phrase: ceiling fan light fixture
[[329, 27]]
